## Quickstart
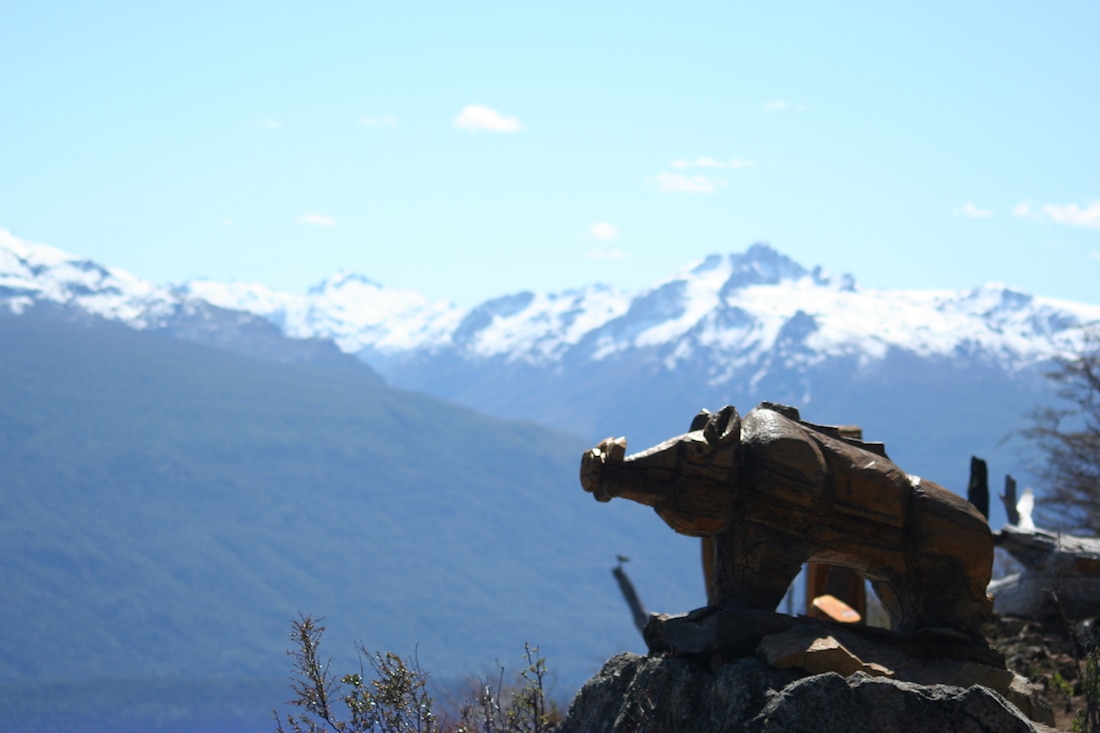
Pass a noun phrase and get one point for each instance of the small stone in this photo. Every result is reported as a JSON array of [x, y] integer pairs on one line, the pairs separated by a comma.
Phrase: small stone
[[807, 649]]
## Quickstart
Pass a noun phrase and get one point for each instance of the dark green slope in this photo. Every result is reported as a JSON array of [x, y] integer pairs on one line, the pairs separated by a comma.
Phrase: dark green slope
[[166, 508]]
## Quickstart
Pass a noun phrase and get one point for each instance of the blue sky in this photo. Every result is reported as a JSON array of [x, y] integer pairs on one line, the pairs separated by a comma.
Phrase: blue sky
[[469, 150]]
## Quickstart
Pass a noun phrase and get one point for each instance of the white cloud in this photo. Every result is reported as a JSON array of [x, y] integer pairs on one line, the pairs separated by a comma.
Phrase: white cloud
[[683, 183], [779, 105], [268, 124], [604, 231], [606, 254], [317, 220], [972, 211], [477, 118], [386, 120], [1074, 215], [1068, 214], [705, 162]]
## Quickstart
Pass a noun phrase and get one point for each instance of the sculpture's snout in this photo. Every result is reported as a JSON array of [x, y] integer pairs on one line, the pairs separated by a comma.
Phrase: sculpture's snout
[[593, 463]]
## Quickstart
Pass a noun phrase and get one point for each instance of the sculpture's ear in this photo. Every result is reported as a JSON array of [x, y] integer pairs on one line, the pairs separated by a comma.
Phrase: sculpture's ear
[[700, 421], [723, 426]]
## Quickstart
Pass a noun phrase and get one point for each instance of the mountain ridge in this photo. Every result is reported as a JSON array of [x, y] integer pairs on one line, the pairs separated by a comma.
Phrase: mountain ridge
[[738, 305], [41, 278]]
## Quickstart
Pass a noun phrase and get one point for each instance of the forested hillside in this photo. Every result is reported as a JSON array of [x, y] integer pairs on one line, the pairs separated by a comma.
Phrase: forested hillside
[[168, 508]]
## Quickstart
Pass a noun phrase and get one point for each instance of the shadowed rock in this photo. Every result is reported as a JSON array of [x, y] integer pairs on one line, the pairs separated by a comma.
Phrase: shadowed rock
[[634, 694]]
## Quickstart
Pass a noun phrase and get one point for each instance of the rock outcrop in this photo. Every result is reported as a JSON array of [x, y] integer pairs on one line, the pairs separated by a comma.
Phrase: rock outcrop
[[635, 694]]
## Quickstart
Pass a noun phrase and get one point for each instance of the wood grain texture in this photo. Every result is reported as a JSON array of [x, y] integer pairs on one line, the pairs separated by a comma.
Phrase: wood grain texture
[[774, 492]]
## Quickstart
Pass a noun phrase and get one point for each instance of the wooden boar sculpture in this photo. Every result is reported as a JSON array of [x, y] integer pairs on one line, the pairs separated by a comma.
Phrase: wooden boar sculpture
[[774, 492]]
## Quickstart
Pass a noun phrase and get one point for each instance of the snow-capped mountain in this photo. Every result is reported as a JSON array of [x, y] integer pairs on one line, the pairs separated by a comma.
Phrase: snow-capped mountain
[[739, 306], [37, 277], [33, 274], [350, 309], [359, 314], [734, 328]]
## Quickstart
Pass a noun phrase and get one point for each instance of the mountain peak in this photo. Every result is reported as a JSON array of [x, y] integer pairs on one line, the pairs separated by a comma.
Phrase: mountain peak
[[341, 279], [762, 264]]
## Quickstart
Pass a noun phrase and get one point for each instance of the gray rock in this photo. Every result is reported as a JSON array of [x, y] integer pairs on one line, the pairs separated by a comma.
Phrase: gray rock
[[634, 694], [829, 702], [807, 648]]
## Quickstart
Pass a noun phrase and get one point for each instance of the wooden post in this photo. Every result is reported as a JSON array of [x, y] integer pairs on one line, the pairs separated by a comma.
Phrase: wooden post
[[1009, 499], [637, 610], [841, 583], [977, 491]]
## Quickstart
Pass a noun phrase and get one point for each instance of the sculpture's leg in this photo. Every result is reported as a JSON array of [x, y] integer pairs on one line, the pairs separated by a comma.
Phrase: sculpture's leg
[[753, 572], [951, 561], [912, 596], [948, 559], [948, 598], [934, 595], [900, 608]]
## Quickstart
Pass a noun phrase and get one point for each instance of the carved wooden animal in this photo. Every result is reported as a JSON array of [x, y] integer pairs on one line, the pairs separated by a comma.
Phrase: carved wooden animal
[[775, 492]]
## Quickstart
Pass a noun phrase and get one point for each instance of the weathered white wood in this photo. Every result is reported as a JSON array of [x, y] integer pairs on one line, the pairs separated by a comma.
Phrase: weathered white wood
[[1058, 569]]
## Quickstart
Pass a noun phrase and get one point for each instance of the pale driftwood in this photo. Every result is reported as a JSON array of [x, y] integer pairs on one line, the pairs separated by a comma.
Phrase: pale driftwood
[[775, 492], [1061, 575]]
